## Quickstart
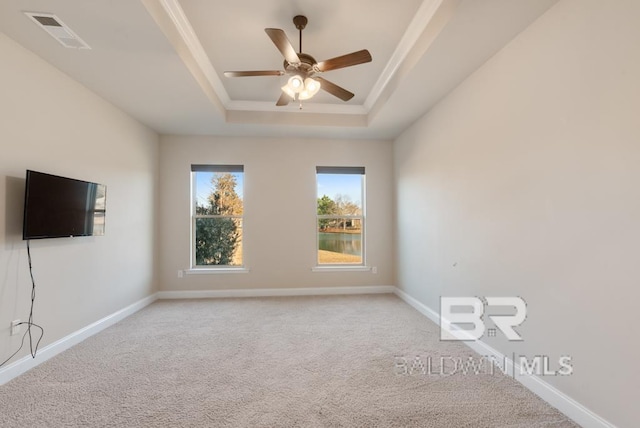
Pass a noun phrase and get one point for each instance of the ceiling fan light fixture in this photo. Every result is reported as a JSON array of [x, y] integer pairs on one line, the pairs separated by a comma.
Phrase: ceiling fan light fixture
[[296, 84], [311, 85]]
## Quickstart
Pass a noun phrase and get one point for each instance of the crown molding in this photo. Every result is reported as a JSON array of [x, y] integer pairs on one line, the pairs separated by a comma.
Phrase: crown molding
[[416, 28]]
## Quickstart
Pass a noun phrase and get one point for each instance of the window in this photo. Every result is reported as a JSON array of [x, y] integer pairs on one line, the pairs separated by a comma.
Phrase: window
[[340, 215], [216, 215]]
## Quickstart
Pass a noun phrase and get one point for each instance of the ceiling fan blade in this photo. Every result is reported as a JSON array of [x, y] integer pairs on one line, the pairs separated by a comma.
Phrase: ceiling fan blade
[[254, 73], [283, 100], [347, 60], [334, 89], [279, 38]]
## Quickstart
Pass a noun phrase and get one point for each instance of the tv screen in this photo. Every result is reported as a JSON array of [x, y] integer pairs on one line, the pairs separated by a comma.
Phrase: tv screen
[[58, 207]]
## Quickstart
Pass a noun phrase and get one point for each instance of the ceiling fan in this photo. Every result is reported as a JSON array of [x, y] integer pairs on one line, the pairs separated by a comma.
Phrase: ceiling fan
[[305, 81]]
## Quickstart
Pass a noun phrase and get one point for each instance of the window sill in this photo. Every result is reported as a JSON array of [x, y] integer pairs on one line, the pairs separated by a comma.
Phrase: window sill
[[214, 271], [334, 268]]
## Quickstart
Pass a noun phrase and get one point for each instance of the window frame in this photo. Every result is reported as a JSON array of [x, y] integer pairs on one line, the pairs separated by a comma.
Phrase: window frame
[[213, 168], [343, 170]]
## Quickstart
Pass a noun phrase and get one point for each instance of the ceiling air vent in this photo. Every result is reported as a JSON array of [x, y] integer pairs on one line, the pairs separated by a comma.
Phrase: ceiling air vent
[[58, 30]]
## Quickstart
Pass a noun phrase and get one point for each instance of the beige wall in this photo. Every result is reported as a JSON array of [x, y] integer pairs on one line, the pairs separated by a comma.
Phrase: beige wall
[[524, 181], [50, 123], [279, 198]]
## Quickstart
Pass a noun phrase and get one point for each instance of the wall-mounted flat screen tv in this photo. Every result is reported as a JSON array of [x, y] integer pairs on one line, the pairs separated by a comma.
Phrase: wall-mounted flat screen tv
[[60, 207]]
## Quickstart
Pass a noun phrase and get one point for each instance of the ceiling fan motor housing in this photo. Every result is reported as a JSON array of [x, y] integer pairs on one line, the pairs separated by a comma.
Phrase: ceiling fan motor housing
[[306, 67]]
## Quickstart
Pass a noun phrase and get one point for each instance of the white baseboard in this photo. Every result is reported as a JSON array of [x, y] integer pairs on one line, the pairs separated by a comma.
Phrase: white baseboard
[[271, 292], [26, 363], [565, 404], [420, 307]]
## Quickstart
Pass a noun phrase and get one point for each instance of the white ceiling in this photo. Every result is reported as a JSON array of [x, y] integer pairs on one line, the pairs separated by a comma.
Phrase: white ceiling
[[162, 61]]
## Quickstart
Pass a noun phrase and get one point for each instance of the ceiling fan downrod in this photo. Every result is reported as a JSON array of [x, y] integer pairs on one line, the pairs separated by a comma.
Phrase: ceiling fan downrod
[[300, 21]]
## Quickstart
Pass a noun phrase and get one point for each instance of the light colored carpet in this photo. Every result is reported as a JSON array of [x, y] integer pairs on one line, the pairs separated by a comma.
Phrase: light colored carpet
[[267, 362]]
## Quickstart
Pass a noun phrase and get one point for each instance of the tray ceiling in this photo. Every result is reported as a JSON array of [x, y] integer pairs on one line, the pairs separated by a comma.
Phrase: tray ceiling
[[162, 61]]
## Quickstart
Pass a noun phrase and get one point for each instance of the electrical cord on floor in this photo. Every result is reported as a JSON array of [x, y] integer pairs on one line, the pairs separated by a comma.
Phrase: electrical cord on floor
[[30, 322]]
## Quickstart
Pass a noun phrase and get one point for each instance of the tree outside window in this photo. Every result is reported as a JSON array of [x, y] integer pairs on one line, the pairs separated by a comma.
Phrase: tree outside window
[[217, 218]]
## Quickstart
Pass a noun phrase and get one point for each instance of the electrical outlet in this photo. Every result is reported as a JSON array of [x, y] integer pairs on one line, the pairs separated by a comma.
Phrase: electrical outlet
[[374, 270], [15, 327], [180, 273]]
